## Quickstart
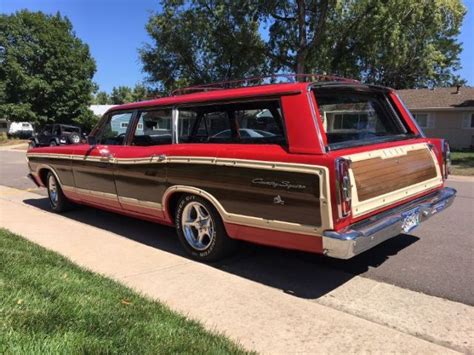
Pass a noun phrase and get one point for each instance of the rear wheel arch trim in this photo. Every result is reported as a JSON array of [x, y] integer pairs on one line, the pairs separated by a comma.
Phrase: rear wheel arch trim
[[172, 190]]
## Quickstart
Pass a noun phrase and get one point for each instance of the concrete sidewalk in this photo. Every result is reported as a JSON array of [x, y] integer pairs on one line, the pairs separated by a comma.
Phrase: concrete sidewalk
[[360, 316]]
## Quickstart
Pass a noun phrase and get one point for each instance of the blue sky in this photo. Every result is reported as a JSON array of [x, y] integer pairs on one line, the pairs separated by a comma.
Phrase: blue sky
[[115, 29]]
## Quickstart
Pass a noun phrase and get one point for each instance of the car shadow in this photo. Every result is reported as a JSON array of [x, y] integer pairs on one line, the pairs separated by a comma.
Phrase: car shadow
[[297, 273]]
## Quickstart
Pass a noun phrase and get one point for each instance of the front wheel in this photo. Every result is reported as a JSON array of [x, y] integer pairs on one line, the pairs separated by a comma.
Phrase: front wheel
[[53, 144], [58, 202], [201, 230]]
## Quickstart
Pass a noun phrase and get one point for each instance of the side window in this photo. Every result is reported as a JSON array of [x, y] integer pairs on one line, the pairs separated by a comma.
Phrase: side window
[[261, 124], [153, 128], [247, 122], [47, 130], [57, 130], [201, 124], [114, 131]]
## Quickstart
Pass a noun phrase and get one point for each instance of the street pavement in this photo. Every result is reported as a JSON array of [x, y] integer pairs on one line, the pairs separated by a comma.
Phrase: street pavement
[[359, 316], [436, 259]]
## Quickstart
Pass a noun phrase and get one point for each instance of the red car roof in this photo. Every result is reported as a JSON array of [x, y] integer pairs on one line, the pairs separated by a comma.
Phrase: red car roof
[[221, 94]]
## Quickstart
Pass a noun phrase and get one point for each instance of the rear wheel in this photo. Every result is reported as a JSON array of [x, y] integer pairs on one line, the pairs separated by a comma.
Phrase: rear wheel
[[58, 202], [201, 230], [53, 144]]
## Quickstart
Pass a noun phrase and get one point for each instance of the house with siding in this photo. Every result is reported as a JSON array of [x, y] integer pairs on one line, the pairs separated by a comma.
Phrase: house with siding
[[444, 113]]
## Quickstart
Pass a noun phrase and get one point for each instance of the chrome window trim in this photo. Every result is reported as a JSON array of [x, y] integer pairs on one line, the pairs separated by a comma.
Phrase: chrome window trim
[[174, 127], [420, 130], [316, 117]]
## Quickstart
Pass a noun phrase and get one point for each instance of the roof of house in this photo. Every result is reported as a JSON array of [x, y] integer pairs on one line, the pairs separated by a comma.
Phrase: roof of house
[[99, 110], [438, 98]]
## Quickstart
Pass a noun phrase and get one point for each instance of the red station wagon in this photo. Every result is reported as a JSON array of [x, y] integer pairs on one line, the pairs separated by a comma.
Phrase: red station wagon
[[330, 166]]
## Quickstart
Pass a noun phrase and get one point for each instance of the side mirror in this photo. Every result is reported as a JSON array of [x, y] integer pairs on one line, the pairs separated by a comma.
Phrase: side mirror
[[91, 140]]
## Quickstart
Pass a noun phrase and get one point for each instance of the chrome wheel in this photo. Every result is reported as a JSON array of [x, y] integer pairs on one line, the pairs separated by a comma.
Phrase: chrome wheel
[[53, 190], [198, 226]]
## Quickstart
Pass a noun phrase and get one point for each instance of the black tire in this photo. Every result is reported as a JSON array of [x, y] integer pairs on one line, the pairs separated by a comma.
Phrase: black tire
[[57, 201], [53, 144], [214, 247], [32, 144]]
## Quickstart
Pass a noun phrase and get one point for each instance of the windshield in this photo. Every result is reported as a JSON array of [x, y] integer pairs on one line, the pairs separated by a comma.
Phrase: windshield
[[353, 117]]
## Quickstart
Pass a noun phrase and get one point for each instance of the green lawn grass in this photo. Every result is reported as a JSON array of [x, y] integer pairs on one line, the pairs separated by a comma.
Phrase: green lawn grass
[[462, 163], [49, 305]]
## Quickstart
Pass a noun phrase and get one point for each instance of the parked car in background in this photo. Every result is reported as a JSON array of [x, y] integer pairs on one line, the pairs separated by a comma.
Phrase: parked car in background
[[57, 134], [23, 130], [330, 166]]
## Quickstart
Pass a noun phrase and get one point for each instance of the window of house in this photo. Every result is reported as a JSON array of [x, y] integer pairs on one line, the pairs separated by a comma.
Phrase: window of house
[[247, 122], [468, 121], [153, 128], [421, 119], [3, 125]]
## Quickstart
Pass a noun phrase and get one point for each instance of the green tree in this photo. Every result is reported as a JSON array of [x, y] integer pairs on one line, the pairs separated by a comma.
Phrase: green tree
[[102, 98], [398, 43], [141, 92], [46, 71], [121, 95], [201, 41], [297, 29]]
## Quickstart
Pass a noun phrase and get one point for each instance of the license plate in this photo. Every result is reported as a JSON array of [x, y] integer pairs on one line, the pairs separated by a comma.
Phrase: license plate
[[411, 219]]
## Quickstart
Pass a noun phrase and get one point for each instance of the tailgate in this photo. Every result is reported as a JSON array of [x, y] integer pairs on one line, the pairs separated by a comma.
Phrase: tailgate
[[386, 176]]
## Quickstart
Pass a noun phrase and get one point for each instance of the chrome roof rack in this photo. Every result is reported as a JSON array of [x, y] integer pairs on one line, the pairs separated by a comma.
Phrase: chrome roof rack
[[261, 80]]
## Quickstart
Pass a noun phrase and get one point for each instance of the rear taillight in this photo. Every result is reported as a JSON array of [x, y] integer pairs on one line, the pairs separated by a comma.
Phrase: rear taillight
[[446, 159], [344, 186]]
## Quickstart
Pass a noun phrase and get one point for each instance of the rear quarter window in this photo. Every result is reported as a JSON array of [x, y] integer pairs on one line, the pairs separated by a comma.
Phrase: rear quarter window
[[247, 122]]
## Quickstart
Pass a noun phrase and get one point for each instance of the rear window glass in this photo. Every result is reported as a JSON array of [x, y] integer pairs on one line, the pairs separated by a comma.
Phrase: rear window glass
[[356, 118], [247, 122]]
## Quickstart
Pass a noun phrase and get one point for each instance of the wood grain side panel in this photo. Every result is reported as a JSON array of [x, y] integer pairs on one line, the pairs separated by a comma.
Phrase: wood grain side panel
[[62, 167], [235, 190], [377, 176]]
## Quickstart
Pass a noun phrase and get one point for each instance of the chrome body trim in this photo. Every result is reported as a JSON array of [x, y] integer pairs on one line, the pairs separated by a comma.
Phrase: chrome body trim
[[233, 218], [320, 171], [315, 115], [366, 234], [140, 203]]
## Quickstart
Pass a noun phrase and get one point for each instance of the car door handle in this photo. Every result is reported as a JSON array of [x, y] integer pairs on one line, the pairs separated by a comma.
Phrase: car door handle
[[161, 157]]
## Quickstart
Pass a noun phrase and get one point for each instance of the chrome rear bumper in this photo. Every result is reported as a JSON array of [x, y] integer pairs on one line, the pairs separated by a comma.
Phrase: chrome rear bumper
[[366, 234]]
